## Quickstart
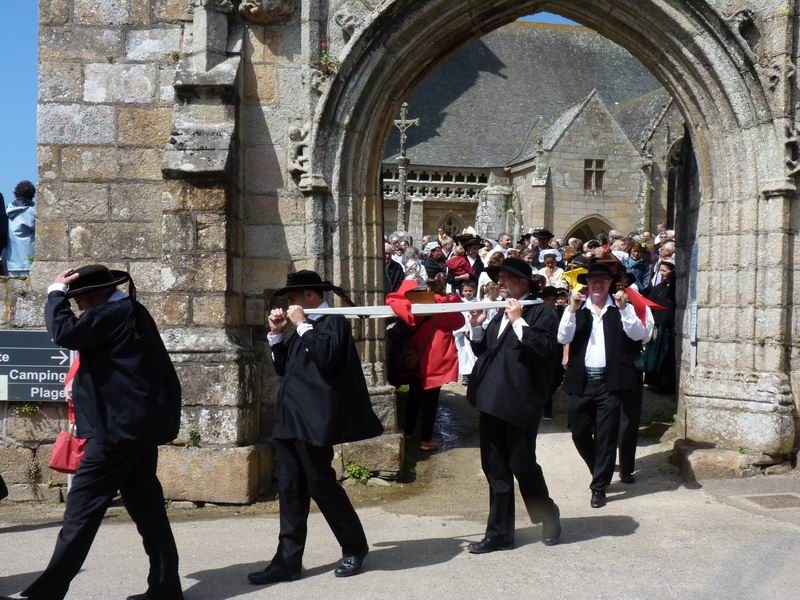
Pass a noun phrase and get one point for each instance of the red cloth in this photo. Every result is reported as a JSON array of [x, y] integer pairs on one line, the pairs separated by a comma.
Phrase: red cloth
[[434, 340], [459, 265], [432, 337], [640, 304]]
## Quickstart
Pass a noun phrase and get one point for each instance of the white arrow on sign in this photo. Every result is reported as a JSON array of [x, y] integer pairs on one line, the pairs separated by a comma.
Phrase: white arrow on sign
[[61, 355]]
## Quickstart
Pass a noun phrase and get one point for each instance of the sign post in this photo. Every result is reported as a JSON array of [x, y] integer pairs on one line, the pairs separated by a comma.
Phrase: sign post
[[32, 368]]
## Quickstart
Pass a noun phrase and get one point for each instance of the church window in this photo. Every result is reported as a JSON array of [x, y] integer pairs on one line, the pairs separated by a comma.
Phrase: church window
[[482, 178], [471, 178], [448, 176], [593, 174], [424, 176], [412, 175], [460, 177], [436, 176]]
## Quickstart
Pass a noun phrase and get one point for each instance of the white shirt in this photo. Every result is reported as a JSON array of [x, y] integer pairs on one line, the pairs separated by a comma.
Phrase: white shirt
[[277, 338], [62, 287], [518, 326], [596, 347]]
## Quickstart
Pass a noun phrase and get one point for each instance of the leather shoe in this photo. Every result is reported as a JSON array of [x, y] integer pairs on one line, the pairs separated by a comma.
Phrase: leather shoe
[[627, 478], [273, 575], [350, 565], [487, 545], [551, 528], [598, 499]]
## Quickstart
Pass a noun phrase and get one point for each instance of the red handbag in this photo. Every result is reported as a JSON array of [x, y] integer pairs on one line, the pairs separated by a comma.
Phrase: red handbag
[[67, 452]]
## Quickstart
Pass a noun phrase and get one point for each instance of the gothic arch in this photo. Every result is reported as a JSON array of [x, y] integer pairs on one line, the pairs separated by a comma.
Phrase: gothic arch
[[588, 227], [738, 124], [452, 223]]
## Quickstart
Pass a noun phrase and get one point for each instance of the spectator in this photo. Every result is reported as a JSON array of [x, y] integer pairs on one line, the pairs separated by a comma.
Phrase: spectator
[[21, 230], [665, 254], [659, 354], [413, 267], [495, 260], [553, 275], [458, 265], [434, 264], [638, 266], [393, 273]]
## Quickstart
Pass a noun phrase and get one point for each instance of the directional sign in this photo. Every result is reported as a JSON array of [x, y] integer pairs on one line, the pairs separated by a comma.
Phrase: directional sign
[[32, 368]]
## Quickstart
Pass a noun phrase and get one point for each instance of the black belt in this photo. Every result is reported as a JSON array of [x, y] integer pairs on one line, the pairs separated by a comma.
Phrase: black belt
[[595, 373]]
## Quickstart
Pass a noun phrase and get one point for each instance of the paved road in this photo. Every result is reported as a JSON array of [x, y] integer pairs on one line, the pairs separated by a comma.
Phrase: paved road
[[657, 539]]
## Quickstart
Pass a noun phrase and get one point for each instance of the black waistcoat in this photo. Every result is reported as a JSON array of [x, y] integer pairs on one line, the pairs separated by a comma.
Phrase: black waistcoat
[[623, 355]]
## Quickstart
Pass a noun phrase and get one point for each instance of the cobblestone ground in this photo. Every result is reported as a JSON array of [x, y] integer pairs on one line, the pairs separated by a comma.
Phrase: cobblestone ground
[[656, 539]]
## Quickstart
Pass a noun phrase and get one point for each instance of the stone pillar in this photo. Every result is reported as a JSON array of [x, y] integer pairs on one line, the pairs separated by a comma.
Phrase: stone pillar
[[416, 218], [493, 204]]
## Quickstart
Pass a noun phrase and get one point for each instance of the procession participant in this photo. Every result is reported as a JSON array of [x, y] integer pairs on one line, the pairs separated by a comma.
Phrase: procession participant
[[659, 354], [504, 242], [550, 296], [322, 401], [508, 386], [543, 237], [604, 336], [466, 358], [434, 263], [393, 272], [127, 402]]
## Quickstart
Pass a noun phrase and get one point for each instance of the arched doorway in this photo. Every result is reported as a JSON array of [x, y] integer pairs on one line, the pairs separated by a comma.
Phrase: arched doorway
[[452, 224], [589, 228], [734, 392]]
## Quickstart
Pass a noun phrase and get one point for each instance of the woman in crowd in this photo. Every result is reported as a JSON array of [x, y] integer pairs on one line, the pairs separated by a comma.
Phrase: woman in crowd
[[21, 230], [638, 265], [659, 354]]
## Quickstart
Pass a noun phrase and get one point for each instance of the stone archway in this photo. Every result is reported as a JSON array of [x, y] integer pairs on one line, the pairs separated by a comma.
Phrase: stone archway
[[588, 228], [736, 390], [452, 224]]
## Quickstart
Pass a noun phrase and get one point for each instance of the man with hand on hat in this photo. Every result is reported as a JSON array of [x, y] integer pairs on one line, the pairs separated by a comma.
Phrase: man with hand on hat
[[509, 386], [322, 401], [127, 401], [604, 334]]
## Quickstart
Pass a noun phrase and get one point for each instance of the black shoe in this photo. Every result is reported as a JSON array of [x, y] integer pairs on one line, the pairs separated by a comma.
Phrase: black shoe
[[486, 545], [273, 575], [627, 478], [551, 528], [598, 499], [350, 565]]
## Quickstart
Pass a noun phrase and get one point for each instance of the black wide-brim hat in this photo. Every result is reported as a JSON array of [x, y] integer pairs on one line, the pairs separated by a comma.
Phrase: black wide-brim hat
[[604, 268], [516, 266], [304, 280], [96, 277], [469, 239], [542, 234]]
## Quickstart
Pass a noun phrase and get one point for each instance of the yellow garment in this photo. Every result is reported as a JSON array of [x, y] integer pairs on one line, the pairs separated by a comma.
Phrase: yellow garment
[[572, 277]]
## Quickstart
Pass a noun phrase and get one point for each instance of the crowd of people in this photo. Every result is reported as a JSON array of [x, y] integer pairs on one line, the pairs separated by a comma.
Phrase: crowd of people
[[639, 266], [18, 231]]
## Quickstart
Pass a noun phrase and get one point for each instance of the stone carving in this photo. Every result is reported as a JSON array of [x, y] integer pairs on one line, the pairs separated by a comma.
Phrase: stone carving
[[792, 151], [314, 78], [347, 20], [778, 72], [298, 158], [224, 6], [744, 24], [267, 11]]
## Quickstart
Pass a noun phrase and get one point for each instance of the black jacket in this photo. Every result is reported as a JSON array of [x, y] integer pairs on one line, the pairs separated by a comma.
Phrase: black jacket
[[623, 355], [393, 276], [323, 397], [126, 390], [511, 378]]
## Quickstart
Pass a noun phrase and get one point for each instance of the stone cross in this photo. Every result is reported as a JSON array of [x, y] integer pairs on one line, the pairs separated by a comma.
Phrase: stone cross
[[403, 125]]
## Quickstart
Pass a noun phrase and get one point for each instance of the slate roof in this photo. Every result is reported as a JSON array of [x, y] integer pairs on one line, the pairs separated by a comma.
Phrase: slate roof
[[477, 107], [638, 116]]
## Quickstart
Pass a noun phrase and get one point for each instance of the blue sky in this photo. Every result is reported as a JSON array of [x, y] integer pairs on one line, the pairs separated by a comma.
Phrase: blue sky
[[18, 46]]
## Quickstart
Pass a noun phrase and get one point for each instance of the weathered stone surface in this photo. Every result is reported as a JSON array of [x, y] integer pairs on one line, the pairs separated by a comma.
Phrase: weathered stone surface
[[14, 462], [49, 162], [86, 201], [119, 83], [697, 462], [94, 163], [153, 44], [28, 310], [260, 83], [144, 126], [219, 424], [175, 309], [212, 474], [211, 232], [49, 476], [182, 195], [60, 82], [255, 312], [179, 232], [200, 273], [53, 12], [39, 428], [75, 124], [52, 240], [40, 492], [166, 91], [384, 403], [264, 273], [173, 10], [79, 43], [136, 202], [210, 385], [208, 310], [147, 276], [383, 454], [111, 12], [265, 169], [116, 241]]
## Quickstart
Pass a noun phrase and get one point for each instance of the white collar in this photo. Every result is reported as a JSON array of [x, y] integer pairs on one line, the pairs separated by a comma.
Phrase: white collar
[[117, 296], [315, 317], [609, 302]]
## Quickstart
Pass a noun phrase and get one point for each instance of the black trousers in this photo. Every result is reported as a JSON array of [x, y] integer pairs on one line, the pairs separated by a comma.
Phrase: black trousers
[[305, 472], [630, 419], [426, 401], [594, 421], [103, 471], [508, 451], [3, 488]]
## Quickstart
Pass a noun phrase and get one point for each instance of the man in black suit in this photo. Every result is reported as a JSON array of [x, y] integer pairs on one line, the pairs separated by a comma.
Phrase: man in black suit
[[509, 386], [322, 401], [605, 336], [127, 401], [393, 273]]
